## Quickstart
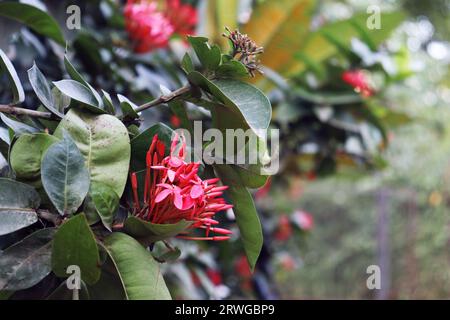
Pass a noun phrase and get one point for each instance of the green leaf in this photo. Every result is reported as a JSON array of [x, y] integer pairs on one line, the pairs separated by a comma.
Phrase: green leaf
[[27, 153], [151, 232], [103, 140], [231, 69], [251, 175], [107, 102], [170, 255], [241, 98], [109, 286], [18, 204], [140, 274], [34, 18], [42, 89], [17, 127], [141, 143], [79, 92], [90, 211], [75, 75], [60, 99], [7, 66], [64, 176], [106, 202], [245, 212], [186, 63], [127, 107], [27, 262], [210, 57], [75, 244]]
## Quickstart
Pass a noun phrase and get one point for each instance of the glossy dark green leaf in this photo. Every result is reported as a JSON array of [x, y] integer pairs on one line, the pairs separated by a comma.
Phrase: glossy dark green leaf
[[245, 212], [210, 57], [27, 153], [74, 244], [42, 89], [64, 175], [34, 18], [104, 142], [127, 107], [231, 69], [18, 204], [140, 274], [79, 92], [141, 143], [186, 63], [106, 202], [151, 232], [241, 98], [27, 262], [7, 67]]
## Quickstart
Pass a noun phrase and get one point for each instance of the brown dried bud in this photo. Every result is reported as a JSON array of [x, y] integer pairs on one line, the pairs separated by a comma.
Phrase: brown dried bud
[[245, 50]]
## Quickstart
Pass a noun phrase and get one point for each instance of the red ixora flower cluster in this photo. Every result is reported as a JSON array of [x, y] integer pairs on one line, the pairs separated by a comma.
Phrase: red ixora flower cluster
[[150, 28], [358, 80], [173, 191]]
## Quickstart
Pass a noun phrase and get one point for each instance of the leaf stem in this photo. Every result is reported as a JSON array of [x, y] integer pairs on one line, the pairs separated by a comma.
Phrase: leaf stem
[[27, 112]]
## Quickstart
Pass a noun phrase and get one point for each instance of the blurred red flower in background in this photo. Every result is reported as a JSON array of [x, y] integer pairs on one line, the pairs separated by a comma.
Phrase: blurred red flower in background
[[358, 80], [183, 17], [150, 28], [173, 191]]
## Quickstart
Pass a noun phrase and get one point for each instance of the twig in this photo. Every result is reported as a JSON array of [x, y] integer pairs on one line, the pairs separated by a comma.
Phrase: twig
[[47, 115], [164, 98], [51, 217], [27, 112]]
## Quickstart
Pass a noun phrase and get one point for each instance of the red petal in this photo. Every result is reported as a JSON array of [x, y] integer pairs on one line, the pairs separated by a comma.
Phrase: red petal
[[162, 195], [196, 192], [171, 175]]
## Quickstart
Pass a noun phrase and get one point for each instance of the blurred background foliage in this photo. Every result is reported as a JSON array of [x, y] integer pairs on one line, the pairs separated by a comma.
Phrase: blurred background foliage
[[364, 179]]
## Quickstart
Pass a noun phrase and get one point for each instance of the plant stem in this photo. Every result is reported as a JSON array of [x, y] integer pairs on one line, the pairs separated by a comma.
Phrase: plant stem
[[164, 98], [47, 115], [51, 217], [27, 112]]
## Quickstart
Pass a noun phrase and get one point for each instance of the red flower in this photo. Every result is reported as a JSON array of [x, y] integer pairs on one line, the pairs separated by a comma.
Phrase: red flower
[[173, 191], [358, 80], [182, 16], [147, 27]]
